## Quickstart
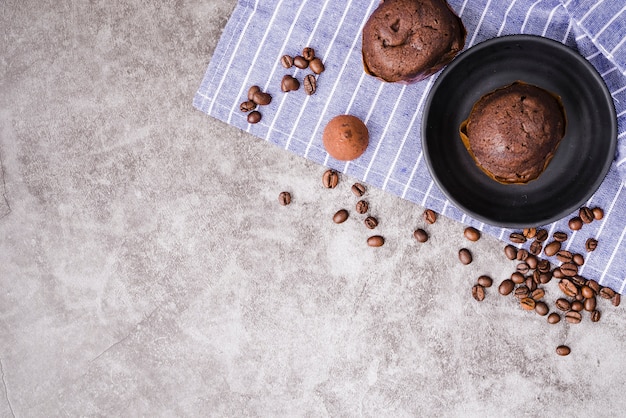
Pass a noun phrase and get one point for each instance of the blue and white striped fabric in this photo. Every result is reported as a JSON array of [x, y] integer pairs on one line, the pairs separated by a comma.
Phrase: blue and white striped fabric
[[259, 32]]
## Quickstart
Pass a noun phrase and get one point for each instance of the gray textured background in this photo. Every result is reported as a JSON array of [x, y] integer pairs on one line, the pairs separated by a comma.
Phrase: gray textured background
[[146, 268]]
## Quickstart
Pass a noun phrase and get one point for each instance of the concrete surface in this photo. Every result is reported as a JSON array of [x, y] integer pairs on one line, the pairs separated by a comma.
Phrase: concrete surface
[[146, 268]]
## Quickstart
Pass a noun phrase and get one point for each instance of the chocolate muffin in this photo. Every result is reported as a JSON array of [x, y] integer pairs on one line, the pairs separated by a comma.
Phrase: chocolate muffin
[[513, 132], [409, 40]]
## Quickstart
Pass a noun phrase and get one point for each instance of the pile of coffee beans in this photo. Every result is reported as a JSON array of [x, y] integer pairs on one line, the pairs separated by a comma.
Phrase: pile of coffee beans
[[256, 97], [306, 60]]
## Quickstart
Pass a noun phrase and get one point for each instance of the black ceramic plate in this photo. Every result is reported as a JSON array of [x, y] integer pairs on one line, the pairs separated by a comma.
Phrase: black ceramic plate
[[581, 161]]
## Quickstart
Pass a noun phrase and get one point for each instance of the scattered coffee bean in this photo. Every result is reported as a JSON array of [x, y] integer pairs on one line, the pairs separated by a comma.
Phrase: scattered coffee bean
[[542, 235], [430, 216], [506, 287], [541, 308], [532, 261], [573, 317], [465, 256], [616, 299], [330, 179], [375, 241], [535, 247], [522, 267], [557, 273], [471, 233], [591, 244], [517, 238], [420, 235], [358, 189], [308, 53], [563, 350], [286, 61], [554, 318], [262, 98], [485, 281], [521, 292], [478, 292], [563, 304], [252, 91], [545, 277], [568, 288], [510, 252], [595, 316], [606, 293], [254, 117], [552, 248], [247, 106], [590, 304], [310, 84], [543, 266], [538, 294], [598, 213], [527, 304], [587, 292], [289, 83], [585, 214], [370, 222], [593, 285], [518, 278], [578, 259], [564, 256], [362, 207], [300, 62], [569, 269], [522, 254], [284, 198], [559, 236], [575, 223], [341, 216], [530, 283], [317, 66], [577, 306], [529, 233]]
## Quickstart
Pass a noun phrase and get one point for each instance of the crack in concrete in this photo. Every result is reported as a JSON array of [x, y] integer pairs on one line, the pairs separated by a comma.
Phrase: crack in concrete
[[6, 390]]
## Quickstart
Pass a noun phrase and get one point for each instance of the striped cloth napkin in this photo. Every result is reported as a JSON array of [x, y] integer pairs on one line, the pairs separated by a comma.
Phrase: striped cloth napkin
[[260, 32]]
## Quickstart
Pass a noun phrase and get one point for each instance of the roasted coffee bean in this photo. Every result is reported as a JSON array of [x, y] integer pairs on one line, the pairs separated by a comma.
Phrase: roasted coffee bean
[[573, 317], [371, 223], [517, 238], [518, 278], [375, 241], [559, 236], [308, 53], [289, 83], [563, 350], [595, 286], [330, 179], [522, 267], [577, 306], [522, 254], [485, 281], [510, 252], [557, 273], [578, 281], [532, 261], [341, 216], [568, 288], [552, 248], [543, 266], [606, 293], [247, 106], [579, 297], [591, 244], [254, 117], [585, 214], [420, 235], [575, 223], [569, 269], [542, 235], [465, 256], [478, 292], [587, 292], [538, 294], [317, 66], [578, 259], [471, 233], [506, 287], [310, 84], [358, 189], [590, 304], [284, 198], [595, 316], [300, 62], [598, 213], [362, 207], [430, 216], [541, 308], [252, 90], [616, 299], [563, 304], [535, 247], [262, 98], [554, 318], [545, 277], [527, 304], [286, 61], [530, 283], [564, 256], [529, 233], [521, 292]]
